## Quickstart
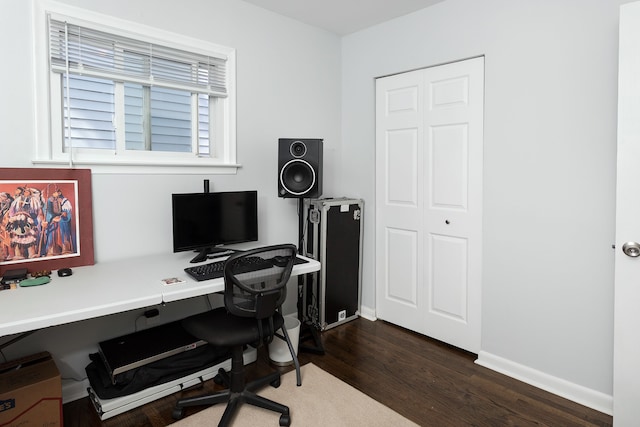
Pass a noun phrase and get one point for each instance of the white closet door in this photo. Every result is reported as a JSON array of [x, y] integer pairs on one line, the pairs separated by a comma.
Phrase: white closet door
[[429, 201], [399, 201]]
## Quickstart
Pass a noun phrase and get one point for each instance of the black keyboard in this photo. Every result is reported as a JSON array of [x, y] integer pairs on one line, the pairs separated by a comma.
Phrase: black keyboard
[[214, 270]]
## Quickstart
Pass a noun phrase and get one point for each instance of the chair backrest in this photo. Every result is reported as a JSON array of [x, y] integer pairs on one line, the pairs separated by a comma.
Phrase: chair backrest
[[258, 293]]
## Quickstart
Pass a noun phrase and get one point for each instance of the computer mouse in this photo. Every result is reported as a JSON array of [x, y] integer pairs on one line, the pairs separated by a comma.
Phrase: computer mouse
[[64, 272], [280, 260]]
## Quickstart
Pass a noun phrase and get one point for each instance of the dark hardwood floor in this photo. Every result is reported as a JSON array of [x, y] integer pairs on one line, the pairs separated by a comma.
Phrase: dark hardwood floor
[[429, 382]]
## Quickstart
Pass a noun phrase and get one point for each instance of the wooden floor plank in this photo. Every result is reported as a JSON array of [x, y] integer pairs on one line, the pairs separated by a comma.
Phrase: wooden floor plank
[[427, 381]]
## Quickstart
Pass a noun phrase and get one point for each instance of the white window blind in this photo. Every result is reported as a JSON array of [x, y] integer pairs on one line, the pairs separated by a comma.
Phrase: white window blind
[[89, 111], [138, 96], [76, 49], [130, 98]]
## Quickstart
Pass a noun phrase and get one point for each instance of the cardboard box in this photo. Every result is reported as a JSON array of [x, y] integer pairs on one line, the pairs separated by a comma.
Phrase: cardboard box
[[30, 392]]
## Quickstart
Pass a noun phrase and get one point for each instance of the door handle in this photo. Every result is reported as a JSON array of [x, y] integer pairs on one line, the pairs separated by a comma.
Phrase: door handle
[[631, 249]]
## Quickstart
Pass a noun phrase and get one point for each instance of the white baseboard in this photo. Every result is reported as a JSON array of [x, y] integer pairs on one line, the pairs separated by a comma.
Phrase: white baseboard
[[368, 313], [585, 396], [74, 390]]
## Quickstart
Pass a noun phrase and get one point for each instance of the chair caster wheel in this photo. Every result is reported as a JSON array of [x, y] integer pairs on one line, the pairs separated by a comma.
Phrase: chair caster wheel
[[285, 420], [177, 413], [218, 379], [275, 384]]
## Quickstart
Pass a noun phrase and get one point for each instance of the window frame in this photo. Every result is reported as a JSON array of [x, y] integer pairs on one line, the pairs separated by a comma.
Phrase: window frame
[[48, 149]]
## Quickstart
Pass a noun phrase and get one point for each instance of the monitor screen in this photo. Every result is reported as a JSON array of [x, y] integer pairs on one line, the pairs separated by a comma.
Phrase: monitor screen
[[202, 221]]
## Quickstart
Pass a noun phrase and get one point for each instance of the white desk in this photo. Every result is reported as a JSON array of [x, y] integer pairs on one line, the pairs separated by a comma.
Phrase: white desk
[[107, 288]]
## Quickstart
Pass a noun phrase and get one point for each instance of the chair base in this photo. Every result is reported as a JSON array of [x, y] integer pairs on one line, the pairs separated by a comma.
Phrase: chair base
[[237, 394]]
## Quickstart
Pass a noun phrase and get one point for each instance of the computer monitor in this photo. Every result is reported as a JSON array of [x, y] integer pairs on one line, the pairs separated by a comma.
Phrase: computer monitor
[[205, 221]]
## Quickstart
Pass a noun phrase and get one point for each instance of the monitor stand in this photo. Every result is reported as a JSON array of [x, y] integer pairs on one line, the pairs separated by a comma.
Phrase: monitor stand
[[204, 252], [202, 256]]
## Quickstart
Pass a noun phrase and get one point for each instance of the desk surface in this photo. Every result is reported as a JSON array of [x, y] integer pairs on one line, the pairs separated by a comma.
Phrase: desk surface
[[106, 288]]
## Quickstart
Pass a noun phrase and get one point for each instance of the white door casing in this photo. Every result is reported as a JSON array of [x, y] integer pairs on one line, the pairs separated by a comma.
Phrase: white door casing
[[429, 134], [626, 348]]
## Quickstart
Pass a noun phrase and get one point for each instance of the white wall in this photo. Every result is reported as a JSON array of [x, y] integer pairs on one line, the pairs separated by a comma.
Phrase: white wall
[[550, 138], [549, 149], [288, 80]]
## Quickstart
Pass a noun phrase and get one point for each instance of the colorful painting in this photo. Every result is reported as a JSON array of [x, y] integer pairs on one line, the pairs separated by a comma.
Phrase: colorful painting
[[42, 218]]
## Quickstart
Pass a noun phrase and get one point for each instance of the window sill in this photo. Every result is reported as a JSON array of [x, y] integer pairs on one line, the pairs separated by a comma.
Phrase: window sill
[[142, 168]]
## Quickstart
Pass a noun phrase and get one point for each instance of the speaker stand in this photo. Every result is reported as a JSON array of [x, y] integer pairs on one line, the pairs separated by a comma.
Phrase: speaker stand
[[307, 330]]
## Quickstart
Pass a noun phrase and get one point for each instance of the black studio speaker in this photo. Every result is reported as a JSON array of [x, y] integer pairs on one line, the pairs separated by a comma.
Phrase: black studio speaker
[[299, 168]]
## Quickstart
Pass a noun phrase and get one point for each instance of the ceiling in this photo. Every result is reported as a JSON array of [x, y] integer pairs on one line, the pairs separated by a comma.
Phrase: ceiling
[[343, 16]]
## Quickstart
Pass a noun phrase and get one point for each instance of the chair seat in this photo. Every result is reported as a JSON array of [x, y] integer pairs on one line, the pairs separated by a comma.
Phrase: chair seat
[[229, 330]]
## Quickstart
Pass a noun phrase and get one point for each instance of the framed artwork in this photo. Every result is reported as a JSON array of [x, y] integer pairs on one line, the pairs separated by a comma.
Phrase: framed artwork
[[46, 220]]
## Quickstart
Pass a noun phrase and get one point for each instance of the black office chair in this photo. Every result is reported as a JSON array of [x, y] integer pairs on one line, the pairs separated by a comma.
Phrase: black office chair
[[251, 316]]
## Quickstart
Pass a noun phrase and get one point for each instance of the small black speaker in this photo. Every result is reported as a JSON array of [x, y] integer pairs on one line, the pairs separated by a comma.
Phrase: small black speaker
[[299, 168]]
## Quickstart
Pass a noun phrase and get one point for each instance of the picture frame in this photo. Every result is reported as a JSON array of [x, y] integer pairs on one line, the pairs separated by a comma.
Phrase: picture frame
[[46, 219]]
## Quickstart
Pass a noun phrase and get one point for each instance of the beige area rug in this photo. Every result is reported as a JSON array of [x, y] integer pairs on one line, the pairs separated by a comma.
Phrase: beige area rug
[[322, 400]]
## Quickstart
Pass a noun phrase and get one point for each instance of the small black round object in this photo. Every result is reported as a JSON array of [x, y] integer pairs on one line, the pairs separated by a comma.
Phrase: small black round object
[[218, 379], [64, 272], [177, 413], [285, 420]]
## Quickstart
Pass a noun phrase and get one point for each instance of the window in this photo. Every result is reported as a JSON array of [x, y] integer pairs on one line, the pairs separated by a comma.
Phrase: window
[[133, 98]]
